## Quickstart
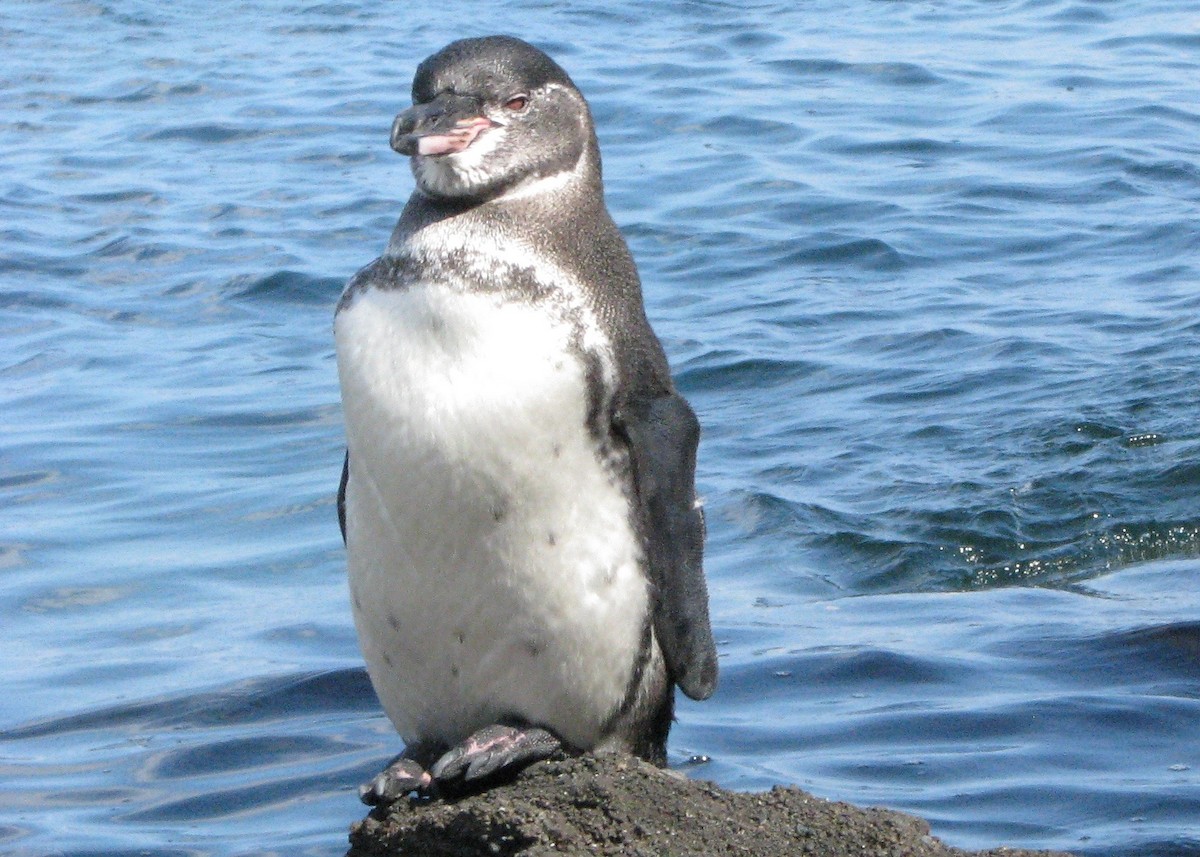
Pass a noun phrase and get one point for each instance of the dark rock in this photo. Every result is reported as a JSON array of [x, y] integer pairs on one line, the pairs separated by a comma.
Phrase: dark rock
[[619, 805]]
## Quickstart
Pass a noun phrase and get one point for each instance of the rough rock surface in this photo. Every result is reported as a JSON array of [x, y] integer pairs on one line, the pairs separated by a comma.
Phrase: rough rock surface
[[619, 805]]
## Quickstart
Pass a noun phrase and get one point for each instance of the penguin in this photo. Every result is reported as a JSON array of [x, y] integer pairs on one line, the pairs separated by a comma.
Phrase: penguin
[[524, 542]]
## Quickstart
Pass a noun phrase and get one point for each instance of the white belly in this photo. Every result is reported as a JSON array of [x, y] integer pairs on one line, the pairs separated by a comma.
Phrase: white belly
[[493, 567]]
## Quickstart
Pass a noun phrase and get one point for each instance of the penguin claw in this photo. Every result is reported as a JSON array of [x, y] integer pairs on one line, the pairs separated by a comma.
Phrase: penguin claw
[[492, 750], [400, 777]]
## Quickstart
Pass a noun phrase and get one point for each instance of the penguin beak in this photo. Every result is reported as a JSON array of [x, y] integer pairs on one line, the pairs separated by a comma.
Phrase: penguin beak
[[446, 125]]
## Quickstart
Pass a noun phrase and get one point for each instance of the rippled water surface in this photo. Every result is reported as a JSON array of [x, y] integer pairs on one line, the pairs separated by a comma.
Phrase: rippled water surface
[[928, 272]]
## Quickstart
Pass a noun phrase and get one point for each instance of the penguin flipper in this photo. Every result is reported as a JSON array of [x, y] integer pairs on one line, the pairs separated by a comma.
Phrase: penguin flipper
[[341, 500], [379, 272], [663, 435]]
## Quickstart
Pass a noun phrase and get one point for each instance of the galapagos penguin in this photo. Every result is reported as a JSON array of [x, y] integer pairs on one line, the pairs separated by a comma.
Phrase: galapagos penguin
[[517, 500]]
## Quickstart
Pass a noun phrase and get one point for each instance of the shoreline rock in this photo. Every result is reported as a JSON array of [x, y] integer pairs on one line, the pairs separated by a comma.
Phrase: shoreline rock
[[619, 805]]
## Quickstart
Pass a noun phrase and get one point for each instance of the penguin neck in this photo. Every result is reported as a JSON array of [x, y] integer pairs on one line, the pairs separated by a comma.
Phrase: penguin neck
[[537, 209]]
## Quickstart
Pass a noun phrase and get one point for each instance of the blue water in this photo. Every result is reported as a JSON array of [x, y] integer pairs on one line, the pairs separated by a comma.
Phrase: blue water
[[928, 272]]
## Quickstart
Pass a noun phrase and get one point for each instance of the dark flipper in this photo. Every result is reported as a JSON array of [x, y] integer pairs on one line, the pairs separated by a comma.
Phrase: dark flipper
[[341, 501], [663, 435]]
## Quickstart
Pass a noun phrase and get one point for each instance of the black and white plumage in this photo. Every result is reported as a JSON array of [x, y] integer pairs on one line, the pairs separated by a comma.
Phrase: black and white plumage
[[518, 498]]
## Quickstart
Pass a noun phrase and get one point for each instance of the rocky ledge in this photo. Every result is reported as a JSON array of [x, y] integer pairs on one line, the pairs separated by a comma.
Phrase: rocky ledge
[[619, 805]]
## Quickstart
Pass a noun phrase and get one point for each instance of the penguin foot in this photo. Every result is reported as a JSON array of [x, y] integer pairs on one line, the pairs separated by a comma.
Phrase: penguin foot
[[401, 776], [493, 750], [490, 751]]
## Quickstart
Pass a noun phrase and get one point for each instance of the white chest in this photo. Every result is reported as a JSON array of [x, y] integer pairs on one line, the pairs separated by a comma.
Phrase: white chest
[[493, 565]]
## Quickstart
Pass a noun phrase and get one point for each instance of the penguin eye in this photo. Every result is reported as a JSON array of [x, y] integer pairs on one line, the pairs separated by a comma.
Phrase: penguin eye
[[517, 103]]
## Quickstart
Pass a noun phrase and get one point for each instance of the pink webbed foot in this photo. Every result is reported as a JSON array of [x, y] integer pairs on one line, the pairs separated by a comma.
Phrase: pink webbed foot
[[489, 752], [402, 776], [493, 750]]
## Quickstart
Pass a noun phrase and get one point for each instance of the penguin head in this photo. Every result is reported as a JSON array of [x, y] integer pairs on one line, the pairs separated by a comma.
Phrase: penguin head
[[491, 116]]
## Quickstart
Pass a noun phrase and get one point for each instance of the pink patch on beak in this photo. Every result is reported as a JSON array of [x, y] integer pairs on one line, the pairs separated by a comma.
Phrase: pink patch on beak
[[463, 135]]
